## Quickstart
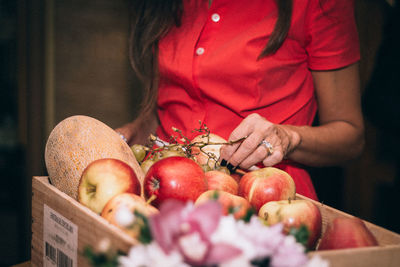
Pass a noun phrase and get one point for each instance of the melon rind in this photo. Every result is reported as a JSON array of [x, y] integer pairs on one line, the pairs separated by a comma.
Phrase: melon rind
[[77, 141]]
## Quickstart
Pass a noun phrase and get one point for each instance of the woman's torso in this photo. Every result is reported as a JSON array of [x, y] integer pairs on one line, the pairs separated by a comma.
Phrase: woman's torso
[[210, 71]]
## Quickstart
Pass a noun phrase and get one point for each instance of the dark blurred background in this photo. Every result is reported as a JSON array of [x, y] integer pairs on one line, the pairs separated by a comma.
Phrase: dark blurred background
[[63, 58]]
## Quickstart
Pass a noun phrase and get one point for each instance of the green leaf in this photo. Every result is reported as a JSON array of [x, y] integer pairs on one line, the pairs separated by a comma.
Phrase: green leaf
[[100, 259], [215, 195], [249, 213], [301, 234], [145, 236], [233, 209]]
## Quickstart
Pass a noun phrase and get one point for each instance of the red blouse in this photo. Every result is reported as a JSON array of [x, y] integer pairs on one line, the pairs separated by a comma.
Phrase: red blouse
[[209, 70]]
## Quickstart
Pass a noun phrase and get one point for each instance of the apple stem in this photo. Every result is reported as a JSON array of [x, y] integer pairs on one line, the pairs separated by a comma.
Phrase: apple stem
[[290, 200], [151, 199]]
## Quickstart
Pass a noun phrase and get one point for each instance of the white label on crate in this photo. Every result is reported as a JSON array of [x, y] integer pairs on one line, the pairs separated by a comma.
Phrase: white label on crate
[[60, 237]]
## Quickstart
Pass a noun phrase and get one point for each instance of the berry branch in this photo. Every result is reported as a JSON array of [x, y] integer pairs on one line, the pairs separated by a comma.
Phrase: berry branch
[[180, 145]]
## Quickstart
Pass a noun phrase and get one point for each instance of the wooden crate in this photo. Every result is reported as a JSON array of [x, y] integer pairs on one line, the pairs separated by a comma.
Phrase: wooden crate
[[49, 205], [386, 254], [91, 228]]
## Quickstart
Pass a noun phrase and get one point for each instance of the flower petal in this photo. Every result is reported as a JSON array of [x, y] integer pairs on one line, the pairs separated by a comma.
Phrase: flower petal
[[221, 252], [165, 225], [206, 216], [193, 248]]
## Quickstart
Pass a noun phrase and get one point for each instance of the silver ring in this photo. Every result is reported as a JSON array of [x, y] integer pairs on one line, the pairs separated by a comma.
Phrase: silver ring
[[268, 146]]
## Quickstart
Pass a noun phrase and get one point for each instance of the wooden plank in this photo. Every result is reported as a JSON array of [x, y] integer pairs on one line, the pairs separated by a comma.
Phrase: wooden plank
[[383, 236], [91, 227], [388, 256]]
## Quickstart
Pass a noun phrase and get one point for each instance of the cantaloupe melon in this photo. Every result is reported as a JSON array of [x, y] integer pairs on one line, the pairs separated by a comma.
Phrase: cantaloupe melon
[[77, 141]]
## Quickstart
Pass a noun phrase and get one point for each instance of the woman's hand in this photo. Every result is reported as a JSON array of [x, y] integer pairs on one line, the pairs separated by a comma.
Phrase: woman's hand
[[338, 138], [138, 131], [257, 129]]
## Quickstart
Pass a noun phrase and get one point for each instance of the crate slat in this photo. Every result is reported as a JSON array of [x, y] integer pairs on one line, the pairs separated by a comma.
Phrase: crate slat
[[92, 228], [383, 236]]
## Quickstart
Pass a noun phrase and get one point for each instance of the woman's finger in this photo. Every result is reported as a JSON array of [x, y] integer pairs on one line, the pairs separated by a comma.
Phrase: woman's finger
[[242, 131], [266, 149], [255, 129], [275, 158], [245, 149], [258, 155]]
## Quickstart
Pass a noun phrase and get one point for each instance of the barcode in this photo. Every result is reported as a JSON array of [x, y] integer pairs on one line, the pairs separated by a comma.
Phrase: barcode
[[57, 256], [51, 252], [63, 260]]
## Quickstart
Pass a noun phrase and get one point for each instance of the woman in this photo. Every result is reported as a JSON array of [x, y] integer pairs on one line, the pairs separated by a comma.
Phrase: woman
[[256, 69]]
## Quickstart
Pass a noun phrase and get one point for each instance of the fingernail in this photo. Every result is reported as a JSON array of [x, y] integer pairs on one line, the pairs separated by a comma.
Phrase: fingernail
[[223, 163], [234, 169], [231, 168]]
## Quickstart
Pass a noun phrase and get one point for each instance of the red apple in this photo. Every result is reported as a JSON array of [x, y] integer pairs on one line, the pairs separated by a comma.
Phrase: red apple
[[104, 178], [174, 177], [345, 232], [231, 204], [201, 156], [175, 151], [294, 213], [221, 181], [266, 184], [132, 203]]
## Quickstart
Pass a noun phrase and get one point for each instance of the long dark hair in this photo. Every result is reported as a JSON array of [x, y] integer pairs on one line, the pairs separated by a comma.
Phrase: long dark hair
[[151, 20]]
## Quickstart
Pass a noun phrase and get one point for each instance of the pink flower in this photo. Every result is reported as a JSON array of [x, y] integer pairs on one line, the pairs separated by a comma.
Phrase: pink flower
[[188, 228], [289, 254], [187, 235]]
